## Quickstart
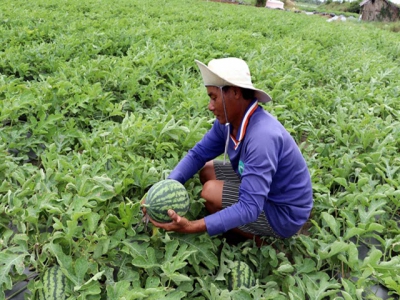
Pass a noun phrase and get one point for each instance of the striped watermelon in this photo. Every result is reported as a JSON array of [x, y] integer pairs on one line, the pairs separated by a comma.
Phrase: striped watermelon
[[164, 195], [241, 275], [54, 284]]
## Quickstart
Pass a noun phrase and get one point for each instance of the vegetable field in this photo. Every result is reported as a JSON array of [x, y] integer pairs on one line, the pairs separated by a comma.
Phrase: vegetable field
[[100, 99]]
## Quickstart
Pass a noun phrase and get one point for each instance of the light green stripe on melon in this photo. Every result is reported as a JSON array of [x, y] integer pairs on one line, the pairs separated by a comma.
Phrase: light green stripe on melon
[[164, 195], [49, 285], [165, 188], [60, 284], [240, 275], [45, 282], [175, 197], [41, 295], [53, 284], [171, 194]]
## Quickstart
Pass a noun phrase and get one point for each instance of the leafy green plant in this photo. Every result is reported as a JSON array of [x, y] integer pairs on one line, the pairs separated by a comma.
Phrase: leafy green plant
[[100, 100]]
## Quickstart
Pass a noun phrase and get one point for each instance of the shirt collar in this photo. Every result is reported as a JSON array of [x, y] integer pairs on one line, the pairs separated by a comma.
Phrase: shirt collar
[[243, 126]]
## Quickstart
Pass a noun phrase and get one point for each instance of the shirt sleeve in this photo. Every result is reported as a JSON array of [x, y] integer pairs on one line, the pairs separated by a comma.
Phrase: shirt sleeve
[[260, 158], [209, 147]]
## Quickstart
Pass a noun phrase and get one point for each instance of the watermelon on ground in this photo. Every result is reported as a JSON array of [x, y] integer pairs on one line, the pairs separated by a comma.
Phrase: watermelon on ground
[[164, 195], [54, 284], [241, 275]]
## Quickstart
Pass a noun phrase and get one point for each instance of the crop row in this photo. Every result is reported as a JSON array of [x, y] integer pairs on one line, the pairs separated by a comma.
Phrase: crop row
[[100, 100]]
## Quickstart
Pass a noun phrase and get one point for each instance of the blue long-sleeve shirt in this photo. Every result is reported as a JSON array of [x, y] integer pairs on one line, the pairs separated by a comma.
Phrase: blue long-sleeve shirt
[[274, 175]]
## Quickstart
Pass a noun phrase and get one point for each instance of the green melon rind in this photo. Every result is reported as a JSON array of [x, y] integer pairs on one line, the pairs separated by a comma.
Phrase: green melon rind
[[241, 275], [54, 282], [164, 195]]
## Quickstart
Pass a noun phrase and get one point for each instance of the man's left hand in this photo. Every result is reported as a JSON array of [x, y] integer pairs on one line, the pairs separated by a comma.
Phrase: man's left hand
[[180, 224]]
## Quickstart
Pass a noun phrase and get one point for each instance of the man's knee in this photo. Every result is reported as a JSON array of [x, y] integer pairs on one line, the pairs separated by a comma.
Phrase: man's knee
[[206, 190], [207, 172], [212, 193]]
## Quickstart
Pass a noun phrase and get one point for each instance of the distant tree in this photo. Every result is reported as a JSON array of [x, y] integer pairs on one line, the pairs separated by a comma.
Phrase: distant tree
[[261, 3], [354, 7]]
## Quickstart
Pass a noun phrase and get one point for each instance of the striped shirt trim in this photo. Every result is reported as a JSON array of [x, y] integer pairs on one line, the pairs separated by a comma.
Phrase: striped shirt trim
[[245, 122]]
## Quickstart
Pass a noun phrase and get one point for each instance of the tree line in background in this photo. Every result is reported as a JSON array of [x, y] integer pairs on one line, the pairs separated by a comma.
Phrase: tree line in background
[[344, 6]]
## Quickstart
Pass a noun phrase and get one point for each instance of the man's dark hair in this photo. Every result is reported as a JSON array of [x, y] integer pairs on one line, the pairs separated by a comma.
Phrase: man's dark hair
[[247, 94]]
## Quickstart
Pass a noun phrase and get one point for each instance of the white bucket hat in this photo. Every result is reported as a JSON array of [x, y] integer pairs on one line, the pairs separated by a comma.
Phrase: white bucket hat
[[230, 71]]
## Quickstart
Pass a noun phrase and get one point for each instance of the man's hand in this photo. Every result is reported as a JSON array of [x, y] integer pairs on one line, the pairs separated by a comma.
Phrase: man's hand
[[143, 201], [180, 224]]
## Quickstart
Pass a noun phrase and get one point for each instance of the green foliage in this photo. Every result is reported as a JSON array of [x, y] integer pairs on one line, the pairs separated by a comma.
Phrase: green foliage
[[354, 7], [100, 99], [347, 9], [261, 3]]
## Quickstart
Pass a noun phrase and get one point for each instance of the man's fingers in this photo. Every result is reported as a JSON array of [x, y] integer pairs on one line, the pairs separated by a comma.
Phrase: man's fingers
[[174, 216], [143, 201]]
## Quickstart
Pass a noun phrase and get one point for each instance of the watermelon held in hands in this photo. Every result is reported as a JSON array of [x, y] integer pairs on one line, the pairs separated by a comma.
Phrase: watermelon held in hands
[[164, 195], [54, 284], [241, 275]]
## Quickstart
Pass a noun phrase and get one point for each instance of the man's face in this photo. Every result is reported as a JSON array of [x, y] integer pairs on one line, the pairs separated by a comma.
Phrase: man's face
[[216, 105]]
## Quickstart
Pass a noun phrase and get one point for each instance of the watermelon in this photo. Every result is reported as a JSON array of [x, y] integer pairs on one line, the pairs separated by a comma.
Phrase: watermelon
[[54, 284], [241, 275], [164, 195]]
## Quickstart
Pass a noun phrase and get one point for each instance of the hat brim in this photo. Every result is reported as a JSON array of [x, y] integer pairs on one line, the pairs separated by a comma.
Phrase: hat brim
[[212, 79]]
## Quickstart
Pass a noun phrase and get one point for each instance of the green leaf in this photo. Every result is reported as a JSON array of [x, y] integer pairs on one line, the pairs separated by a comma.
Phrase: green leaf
[[91, 286], [333, 224], [117, 238], [178, 278], [149, 260], [102, 247], [369, 213], [353, 259], [285, 268], [353, 231], [91, 221], [134, 248], [203, 247], [330, 250], [306, 266], [152, 282], [81, 268], [173, 260], [223, 267], [64, 261], [375, 227], [341, 181], [119, 290], [373, 258], [319, 286], [392, 282], [129, 214], [10, 262]]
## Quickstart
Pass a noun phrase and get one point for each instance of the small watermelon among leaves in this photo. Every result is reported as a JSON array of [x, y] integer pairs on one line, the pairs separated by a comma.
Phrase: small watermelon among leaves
[[241, 275], [54, 284], [164, 195]]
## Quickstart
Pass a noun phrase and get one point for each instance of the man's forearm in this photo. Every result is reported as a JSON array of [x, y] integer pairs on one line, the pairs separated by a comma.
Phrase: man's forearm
[[196, 226]]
